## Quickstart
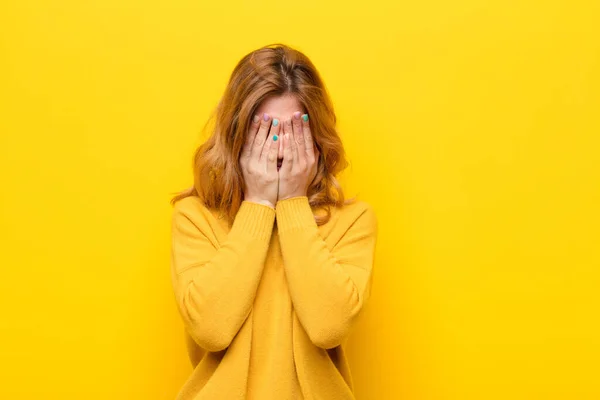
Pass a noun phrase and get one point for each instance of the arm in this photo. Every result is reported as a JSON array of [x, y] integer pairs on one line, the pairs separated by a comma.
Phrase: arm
[[214, 284], [328, 288]]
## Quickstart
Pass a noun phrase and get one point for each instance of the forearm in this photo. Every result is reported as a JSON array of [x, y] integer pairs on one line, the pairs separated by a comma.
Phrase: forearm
[[325, 297], [327, 294], [215, 295]]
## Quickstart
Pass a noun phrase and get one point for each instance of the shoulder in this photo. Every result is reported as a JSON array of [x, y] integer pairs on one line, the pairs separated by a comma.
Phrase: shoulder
[[358, 210], [188, 206], [358, 215], [192, 209]]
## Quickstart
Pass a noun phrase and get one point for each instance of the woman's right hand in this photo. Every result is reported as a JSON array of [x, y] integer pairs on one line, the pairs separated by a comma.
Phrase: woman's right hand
[[258, 161]]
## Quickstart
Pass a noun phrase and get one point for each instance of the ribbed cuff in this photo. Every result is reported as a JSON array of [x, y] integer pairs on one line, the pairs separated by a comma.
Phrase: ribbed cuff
[[294, 213], [255, 219]]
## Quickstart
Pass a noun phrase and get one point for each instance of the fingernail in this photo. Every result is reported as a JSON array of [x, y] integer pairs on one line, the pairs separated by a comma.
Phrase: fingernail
[[275, 138], [256, 119], [275, 122], [305, 117], [297, 115], [265, 116]]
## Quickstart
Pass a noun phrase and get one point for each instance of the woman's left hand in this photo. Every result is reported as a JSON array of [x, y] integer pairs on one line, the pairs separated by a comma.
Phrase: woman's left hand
[[300, 158]]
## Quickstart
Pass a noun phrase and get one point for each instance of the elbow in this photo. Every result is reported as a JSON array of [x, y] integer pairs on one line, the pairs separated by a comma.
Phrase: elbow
[[326, 341], [208, 331], [211, 341], [330, 335], [331, 329], [211, 337]]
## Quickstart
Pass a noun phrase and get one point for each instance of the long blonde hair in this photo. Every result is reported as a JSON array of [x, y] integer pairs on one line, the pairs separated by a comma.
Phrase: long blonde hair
[[275, 69]]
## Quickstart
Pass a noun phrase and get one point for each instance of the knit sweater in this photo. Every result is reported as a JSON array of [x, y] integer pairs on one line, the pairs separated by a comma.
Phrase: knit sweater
[[268, 302]]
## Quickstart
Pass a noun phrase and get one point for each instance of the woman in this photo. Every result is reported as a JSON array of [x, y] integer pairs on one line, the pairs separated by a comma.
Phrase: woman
[[270, 265]]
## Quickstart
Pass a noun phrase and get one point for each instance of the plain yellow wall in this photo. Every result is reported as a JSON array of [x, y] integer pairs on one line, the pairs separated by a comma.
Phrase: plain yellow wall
[[472, 127]]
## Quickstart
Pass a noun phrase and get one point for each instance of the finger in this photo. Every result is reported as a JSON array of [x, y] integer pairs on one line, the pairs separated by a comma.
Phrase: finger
[[288, 157], [261, 136], [287, 128], [309, 143], [298, 136], [274, 139], [275, 127], [254, 124]]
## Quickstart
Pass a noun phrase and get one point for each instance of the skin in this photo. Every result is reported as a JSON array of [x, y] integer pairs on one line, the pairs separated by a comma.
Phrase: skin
[[294, 149]]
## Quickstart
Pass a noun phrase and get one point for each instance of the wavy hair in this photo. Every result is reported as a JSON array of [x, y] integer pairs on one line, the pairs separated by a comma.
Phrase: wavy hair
[[275, 69]]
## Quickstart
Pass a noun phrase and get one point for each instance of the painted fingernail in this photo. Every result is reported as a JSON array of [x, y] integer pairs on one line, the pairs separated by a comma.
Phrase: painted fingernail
[[305, 117], [265, 116], [275, 137], [256, 119], [297, 115], [275, 122]]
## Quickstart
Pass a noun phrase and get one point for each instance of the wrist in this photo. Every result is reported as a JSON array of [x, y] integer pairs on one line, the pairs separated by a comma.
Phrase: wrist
[[291, 196], [260, 201]]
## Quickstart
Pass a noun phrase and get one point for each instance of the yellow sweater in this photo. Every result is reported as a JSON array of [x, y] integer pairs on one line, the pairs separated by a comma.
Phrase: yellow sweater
[[268, 303]]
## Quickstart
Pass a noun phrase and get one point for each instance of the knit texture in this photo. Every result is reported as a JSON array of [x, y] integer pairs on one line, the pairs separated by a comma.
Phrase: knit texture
[[268, 302]]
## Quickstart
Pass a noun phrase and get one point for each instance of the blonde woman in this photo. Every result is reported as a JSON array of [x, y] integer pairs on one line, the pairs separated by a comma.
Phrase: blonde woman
[[270, 264]]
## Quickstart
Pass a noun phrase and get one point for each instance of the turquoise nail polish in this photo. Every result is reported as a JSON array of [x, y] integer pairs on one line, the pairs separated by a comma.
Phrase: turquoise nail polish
[[275, 138], [305, 117], [275, 122]]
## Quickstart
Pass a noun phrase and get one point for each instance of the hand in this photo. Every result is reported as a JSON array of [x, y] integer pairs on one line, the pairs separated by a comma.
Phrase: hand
[[300, 158], [258, 161]]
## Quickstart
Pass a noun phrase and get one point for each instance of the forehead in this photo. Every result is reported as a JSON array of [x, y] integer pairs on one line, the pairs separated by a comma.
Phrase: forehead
[[280, 106]]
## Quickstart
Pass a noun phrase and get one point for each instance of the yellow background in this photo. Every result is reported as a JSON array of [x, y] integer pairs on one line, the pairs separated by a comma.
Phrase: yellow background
[[472, 127]]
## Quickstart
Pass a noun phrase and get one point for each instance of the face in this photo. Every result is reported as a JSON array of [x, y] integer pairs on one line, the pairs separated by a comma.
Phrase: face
[[282, 108]]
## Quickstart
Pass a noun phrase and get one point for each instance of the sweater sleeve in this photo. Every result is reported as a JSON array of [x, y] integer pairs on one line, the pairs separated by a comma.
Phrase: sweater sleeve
[[328, 287], [215, 284]]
